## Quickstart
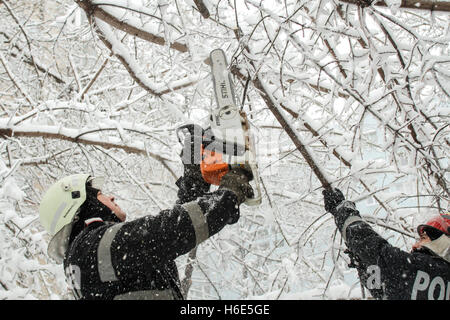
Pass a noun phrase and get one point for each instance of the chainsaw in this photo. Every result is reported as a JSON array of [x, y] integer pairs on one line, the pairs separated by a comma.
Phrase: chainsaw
[[227, 143]]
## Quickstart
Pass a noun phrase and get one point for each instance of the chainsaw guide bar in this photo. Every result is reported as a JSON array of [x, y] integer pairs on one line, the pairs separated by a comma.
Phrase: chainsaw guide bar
[[229, 125]]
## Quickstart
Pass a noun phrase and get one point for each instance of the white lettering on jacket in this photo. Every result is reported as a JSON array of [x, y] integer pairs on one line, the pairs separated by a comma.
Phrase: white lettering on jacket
[[437, 284]]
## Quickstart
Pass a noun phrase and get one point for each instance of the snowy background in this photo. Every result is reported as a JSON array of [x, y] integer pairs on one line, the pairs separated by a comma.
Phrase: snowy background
[[99, 86]]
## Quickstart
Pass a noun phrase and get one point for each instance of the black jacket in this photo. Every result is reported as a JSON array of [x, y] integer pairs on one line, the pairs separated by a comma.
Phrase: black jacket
[[135, 260], [388, 272]]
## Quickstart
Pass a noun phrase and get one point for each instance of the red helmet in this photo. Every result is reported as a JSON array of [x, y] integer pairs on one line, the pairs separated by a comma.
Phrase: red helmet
[[440, 222]]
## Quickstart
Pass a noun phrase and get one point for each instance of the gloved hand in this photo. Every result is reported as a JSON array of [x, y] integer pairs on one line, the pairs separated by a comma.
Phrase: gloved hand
[[190, 155], [332, 198], [191, 184], [340, 208], [237, 180], [193, 172]]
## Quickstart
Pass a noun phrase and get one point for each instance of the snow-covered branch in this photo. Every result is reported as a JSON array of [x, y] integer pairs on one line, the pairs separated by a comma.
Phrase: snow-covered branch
[[128, 26], [432, 5], [85, 136], [15, 81], [132, 66]]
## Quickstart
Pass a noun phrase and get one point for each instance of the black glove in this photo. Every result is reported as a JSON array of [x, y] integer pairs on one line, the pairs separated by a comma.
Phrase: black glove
[[237, 180], [332, 198], [191, 184], [193, 172]]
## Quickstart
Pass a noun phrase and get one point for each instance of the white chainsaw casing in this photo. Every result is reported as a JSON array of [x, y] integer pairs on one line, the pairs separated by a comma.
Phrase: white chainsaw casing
[[229, 124], [226, 121]]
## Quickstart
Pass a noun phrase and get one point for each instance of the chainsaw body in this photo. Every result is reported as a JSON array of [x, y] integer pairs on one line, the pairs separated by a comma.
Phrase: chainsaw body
[[227, 143]]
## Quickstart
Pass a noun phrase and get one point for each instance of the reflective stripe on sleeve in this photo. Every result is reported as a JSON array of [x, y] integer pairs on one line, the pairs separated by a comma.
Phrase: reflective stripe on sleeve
[[347, 223], [198, 221], [346, 204], [105, 266]]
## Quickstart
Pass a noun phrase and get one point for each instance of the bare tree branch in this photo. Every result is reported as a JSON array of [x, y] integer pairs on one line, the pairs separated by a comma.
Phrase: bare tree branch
[[97, 12], [15, 80], [16, 20], [202, 8], [407, 4], [91, 82]]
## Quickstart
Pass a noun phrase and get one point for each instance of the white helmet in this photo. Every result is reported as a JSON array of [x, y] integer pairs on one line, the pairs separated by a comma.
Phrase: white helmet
[[58, 208]]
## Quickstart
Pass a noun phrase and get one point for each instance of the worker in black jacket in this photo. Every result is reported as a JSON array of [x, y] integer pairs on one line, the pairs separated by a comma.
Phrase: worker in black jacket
[[106, 257], [388, 272]]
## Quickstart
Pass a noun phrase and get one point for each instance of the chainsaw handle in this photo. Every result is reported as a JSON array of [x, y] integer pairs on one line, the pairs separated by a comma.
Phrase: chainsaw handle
[[257, 199], [251, 202]]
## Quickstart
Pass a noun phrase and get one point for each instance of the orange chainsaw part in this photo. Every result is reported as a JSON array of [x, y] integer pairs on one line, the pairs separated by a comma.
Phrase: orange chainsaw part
[[212, 166]]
